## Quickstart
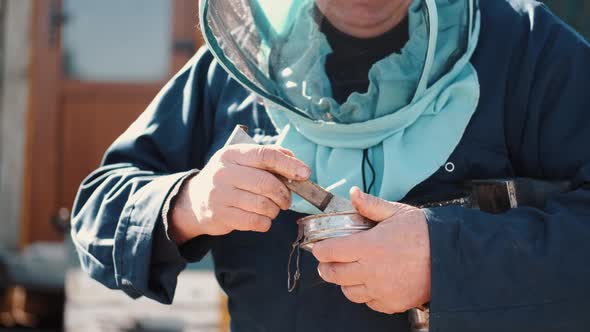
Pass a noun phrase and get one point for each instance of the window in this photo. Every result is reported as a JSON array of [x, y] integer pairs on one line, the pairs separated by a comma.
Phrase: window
[[117, 41]]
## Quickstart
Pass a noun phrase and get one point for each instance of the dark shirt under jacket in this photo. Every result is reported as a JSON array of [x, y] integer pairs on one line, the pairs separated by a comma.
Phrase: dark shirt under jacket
[[347, 67], [526, 270]]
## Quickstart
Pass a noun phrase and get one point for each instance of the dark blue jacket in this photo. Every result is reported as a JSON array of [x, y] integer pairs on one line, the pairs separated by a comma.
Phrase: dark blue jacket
[[526, 270]]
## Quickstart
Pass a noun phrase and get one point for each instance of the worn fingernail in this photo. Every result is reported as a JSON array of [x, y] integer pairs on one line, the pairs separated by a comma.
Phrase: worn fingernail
[[303, 172], [360, 193]]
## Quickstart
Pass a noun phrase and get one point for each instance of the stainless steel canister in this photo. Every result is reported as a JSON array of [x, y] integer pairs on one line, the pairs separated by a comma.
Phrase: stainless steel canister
[[325, 226]]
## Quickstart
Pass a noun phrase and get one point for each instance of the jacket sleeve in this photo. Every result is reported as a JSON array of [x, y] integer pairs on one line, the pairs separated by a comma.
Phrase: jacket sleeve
[[527, 269], [118, 219]]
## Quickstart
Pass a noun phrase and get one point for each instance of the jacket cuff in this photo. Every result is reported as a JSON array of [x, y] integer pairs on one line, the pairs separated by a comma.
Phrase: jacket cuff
[[147, 263], [443, 224], [195, 249]]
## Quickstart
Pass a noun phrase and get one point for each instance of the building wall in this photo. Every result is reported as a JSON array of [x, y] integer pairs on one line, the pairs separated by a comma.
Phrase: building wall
[[14, 36]]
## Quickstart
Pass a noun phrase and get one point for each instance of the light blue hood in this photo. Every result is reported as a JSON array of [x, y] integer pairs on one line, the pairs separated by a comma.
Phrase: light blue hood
[[411, 119]]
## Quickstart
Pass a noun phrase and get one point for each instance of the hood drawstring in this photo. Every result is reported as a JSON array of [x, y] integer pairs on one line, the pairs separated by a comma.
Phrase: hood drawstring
[[367, 160]]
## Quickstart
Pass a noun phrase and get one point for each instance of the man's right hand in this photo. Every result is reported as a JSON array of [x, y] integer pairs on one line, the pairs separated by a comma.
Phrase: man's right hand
[[236, 190]]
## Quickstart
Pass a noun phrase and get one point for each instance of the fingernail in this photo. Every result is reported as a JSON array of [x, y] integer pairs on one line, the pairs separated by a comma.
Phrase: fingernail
[[361, 194], [303, 172]]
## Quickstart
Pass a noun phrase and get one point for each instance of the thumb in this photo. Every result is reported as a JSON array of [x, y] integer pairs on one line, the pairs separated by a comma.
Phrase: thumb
[[370, 206]]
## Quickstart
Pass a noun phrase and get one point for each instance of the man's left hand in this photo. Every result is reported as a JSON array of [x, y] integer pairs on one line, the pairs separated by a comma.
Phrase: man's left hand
[[386, 267]]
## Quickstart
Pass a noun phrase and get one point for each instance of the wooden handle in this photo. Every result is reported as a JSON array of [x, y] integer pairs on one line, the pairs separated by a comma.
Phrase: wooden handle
[[240, 136], [309, 191]]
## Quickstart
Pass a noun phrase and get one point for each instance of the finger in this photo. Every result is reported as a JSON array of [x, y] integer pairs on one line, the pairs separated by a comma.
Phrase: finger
[[376, 305], [260, 182], [343, 274], [357, 293], [372, 207], [250, 202], [344, 249], [272, 159], [286, 151], [241, 220]]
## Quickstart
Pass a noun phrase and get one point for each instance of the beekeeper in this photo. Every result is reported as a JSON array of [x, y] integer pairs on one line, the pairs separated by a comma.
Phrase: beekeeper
[[387, 102]]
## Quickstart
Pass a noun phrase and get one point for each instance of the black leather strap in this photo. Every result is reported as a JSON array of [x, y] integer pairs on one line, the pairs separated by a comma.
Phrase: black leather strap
[[500, 195]]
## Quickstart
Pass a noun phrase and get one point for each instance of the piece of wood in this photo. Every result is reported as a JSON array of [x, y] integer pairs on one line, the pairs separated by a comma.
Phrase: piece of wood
[[311, 192]]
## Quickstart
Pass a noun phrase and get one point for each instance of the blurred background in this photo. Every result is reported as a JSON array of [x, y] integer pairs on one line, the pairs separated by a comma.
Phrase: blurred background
[[73, 75]]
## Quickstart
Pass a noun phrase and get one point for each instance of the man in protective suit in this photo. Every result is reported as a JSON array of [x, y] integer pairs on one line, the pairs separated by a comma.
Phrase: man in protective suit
[[390, 103]]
